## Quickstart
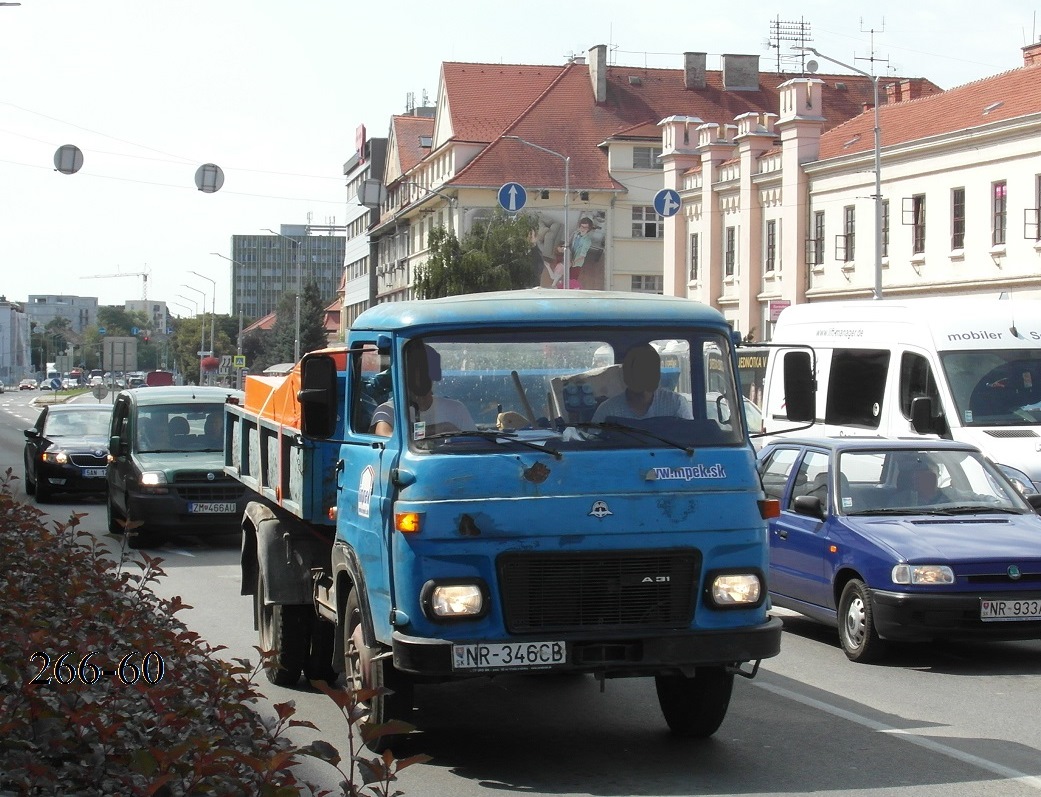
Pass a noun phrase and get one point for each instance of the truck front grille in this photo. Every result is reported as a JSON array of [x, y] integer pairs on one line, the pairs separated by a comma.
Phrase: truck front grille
[[614, 590]]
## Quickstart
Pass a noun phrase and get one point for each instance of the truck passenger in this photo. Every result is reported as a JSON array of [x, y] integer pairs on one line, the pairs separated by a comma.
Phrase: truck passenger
[[438, 414], [642, 398]]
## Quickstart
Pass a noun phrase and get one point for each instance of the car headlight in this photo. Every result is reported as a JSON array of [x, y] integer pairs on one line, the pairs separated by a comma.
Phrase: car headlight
[[923, 574], [736, 589], [446, 601], [57, 457], [153, 481]]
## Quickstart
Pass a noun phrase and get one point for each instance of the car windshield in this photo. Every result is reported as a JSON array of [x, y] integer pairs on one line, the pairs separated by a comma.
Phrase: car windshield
[[1000, 387], [923, 482], [70, 423], [559, 390], [180, 427]]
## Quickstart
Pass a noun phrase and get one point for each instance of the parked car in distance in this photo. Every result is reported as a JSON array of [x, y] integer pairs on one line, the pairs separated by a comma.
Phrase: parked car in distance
[[167, 471], [901, 540], [27, 384], [1, 386], [66, 451]]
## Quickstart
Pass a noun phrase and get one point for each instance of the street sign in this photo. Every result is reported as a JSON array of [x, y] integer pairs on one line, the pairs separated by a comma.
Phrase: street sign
[[512, 197], [55, 384], [666, 202], [134, 330], [99, 391], [240, 361], [102, 330]]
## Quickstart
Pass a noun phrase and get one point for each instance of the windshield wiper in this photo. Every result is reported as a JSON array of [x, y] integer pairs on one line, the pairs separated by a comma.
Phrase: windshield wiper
[[635, 431], [497, 437], [978, 509]]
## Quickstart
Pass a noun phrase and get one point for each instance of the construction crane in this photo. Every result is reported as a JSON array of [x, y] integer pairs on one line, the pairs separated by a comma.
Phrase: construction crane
[[142, 274]]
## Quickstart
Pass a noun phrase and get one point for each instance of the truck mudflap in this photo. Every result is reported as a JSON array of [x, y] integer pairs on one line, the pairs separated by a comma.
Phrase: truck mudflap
[[613, 657]]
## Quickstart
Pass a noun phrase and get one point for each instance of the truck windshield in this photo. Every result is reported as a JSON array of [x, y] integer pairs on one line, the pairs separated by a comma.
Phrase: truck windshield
[[1000, 387], [561, 390]]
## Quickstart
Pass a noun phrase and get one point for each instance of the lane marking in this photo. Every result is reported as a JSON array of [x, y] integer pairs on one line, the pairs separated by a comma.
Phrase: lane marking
[[993, 767]]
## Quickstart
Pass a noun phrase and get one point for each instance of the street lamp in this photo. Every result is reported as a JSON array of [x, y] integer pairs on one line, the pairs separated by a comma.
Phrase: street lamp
[[213, 310], [878, 164], [296, 269], [202, 330], [567, 201], [234, 292]]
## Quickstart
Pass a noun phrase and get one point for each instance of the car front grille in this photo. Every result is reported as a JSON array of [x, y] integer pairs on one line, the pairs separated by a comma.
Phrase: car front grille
[[89, 460], [615, 590]]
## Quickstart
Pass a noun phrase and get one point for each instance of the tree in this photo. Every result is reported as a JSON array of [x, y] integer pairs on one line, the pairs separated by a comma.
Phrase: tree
[[312, 325], [494, 256]]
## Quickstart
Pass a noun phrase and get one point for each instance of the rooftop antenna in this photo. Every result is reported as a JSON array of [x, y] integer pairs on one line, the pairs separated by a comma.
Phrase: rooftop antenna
[[797, 32], [872, 58]]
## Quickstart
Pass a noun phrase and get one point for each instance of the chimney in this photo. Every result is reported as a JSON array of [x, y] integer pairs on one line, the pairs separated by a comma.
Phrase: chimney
[[598, 72], [1032, 54], [910, 89], [740, 72], [892, 93], [694, 70]]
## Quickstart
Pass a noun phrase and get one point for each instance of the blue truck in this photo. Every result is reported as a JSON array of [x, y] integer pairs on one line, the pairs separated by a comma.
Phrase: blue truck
[[531, 481]]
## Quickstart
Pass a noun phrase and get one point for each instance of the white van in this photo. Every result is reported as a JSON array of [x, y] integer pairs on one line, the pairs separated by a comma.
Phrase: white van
[[974, 364]]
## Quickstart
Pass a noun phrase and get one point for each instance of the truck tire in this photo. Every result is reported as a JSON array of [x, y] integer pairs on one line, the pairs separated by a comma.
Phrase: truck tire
[[319, 665], [285, 629], [695, 707], [362, 670]]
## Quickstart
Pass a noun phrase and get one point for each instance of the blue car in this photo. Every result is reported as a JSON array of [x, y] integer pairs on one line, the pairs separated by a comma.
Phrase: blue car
[[901, 540]]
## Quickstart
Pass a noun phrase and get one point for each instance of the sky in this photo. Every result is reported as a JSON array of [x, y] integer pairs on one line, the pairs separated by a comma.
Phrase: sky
[[273, 92]]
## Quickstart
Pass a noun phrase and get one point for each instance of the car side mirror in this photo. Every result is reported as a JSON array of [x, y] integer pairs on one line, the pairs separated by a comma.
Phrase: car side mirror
[[31, 434], [1035, 501], [809, 505]]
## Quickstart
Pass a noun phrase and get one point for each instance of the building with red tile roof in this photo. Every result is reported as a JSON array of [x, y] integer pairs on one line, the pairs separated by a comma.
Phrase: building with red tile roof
[[586, 126], [779, 208]]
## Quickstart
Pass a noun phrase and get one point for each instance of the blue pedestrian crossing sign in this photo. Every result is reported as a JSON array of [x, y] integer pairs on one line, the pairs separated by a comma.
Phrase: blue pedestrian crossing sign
[[667, 202], [512, 197]]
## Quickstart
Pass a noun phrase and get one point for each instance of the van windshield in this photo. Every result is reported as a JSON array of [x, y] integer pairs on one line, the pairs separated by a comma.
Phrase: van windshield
[[180, 427], [562, 390], [1000, 387]]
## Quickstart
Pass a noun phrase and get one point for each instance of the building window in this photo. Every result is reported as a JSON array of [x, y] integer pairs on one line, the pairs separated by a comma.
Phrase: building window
[[646, 158], [958, 218], [729, 252], [848, 228], [885, 228], [647, 223], [646, 283], [771, 245], [818, 238], [695, 244], [1032, 218], [999, 203], [918, 224]]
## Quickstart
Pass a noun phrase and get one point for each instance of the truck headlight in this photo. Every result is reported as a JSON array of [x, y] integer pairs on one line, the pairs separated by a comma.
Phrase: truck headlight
[[735, 590], [446, 601], [923, 574]]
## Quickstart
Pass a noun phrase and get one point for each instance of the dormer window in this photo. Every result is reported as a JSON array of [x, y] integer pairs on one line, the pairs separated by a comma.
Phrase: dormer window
[[426, 141]]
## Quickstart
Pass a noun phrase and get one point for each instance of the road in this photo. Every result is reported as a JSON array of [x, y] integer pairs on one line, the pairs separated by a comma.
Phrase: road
[[958, 720]]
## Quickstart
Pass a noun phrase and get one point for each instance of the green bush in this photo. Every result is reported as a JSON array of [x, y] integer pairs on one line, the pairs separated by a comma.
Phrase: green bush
[[104, 691]]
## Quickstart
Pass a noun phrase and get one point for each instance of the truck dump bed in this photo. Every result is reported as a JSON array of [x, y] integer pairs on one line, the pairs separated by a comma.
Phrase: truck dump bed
[[266, 452]]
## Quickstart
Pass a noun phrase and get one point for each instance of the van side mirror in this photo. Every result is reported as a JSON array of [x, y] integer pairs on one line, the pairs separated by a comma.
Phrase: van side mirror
[[922, 420], [799, 388], [117, 446], [317, 396]]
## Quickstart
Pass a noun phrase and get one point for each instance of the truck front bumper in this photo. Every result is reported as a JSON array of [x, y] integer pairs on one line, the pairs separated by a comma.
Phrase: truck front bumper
[[622, 656]]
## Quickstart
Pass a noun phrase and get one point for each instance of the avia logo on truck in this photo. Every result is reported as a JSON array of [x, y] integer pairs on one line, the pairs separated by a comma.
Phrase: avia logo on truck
[[533, 481], [967, 369]]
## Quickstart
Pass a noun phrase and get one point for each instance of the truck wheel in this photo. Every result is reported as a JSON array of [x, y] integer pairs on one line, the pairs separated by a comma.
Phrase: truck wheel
[[695, 707], [285, 629], [860, 641], [362, 670]]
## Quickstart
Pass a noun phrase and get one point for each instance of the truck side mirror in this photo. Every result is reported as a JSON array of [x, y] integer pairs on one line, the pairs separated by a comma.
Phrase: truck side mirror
[[317, 396], [922, 420], [799, 388]]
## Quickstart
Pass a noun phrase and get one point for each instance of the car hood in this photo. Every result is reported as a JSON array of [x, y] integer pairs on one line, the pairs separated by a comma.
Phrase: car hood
[[74, 444], [954, 539], [169, 461]]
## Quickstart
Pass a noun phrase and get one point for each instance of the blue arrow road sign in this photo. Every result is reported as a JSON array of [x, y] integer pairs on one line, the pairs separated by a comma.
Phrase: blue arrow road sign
[[512, 197], [666, 202], [102, 330]]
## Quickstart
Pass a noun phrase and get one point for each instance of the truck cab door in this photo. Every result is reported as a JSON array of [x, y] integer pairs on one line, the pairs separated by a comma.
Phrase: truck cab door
[[366, 491]]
